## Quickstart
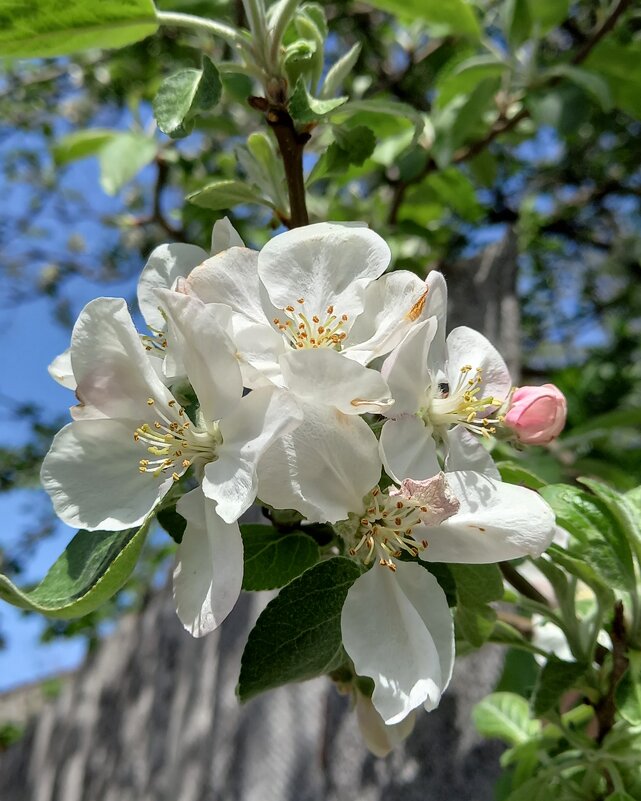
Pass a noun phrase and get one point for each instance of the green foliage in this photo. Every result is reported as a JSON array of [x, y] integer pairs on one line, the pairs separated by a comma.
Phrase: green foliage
[[306, 109], [40, 30], [81, 144], [476, 587], [92, 568], [184, 96], [226, 194], [555, 679], [455, 16], [298, 635], [274, 558], [122, 158], [505, 716]]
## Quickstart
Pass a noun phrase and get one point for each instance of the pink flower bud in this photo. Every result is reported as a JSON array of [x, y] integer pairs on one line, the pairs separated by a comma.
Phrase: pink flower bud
[[537, 414]]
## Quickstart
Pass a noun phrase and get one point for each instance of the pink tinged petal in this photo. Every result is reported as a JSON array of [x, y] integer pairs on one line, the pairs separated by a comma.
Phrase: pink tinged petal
[[208, 352], [408, 449], [405, 369], [259, 418], [324, 376], [61, 370], [467, 347], [379, 738], [323, 468], [435, 494], [165, 266], [398, 630], [467, 452], [209, 566], [537, 414], [231, 277], [326, 264], [91, 474], [224, 236], [393, 305], [112, 368], [495, 522]]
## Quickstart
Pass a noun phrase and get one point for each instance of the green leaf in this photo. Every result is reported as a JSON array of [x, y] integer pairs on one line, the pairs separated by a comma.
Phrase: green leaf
[[475, 624], [548, 13], [374, 112], [628, 692], [339, 71], [226, 194], [450, 17], [517, 21], [590, 82], [123, 157], [620, 795], [466, 76], [172, 522], [304, 108], [620, 65], [461, 119], [514, 473], [555, 679], [477, 584], [505, 716], [352, 146], [40, 29], [81, 144], [298, 635], [274, 558], [92, 568], [184, 96]]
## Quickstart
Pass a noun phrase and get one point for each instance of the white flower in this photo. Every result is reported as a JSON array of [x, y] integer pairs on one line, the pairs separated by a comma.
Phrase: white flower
[[61, 371], [131, 439], [313, 289], [440, 386], [379, 738]]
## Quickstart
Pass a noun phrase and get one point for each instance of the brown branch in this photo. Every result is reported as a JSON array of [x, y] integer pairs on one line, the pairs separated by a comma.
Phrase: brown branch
[[503, 125], [291, 144], [605, 709]]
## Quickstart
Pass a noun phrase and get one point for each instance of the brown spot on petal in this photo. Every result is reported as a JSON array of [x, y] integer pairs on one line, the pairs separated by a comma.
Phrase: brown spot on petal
[[415, 312]]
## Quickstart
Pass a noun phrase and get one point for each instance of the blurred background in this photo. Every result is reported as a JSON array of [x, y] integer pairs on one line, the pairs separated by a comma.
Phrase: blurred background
[[542, 219]]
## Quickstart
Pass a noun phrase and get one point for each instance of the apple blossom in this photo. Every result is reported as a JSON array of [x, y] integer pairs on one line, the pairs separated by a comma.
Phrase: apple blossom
[[536, 414]]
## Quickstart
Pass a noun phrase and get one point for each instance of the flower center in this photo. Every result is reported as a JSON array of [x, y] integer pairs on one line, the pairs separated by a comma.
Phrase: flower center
[[385, 530], [461, 405], [175, 443], [304, 330]]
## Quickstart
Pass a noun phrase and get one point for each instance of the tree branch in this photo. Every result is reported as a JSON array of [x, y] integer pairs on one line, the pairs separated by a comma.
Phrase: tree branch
[[503, 125]]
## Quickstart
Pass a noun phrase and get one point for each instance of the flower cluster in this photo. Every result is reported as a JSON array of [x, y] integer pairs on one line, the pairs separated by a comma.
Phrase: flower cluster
[[266, 375]]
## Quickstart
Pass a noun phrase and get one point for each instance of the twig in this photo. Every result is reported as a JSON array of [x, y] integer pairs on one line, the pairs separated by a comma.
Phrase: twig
[[606, 708], [521, 584]]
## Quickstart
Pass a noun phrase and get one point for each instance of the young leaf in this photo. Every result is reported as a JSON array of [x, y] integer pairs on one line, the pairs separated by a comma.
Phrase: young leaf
[[298, 635], [475, 623], [555, 679], [305, 109], [184, 96], [173, 523], [36, 29], [339, 71], [226, 194], [505, 716], [628, 692], [122, 158], [514, 473], [477, 584], [92, 568], [274, 558]]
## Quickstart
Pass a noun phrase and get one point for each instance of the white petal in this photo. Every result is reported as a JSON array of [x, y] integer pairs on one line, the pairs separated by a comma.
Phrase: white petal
[[61, 370], [231, 277], [91, 473], [326, 264], [323, 376], [408, 449], [467, 346], [323, 468], [495, 522], [436, 306], [259, 418], [379, 738], [165, 266], [393, 304], [209, 566], [405, 369], [111, 366], [467, 452], [207, 352], [398, 630], [258, 349], [224, 236]]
